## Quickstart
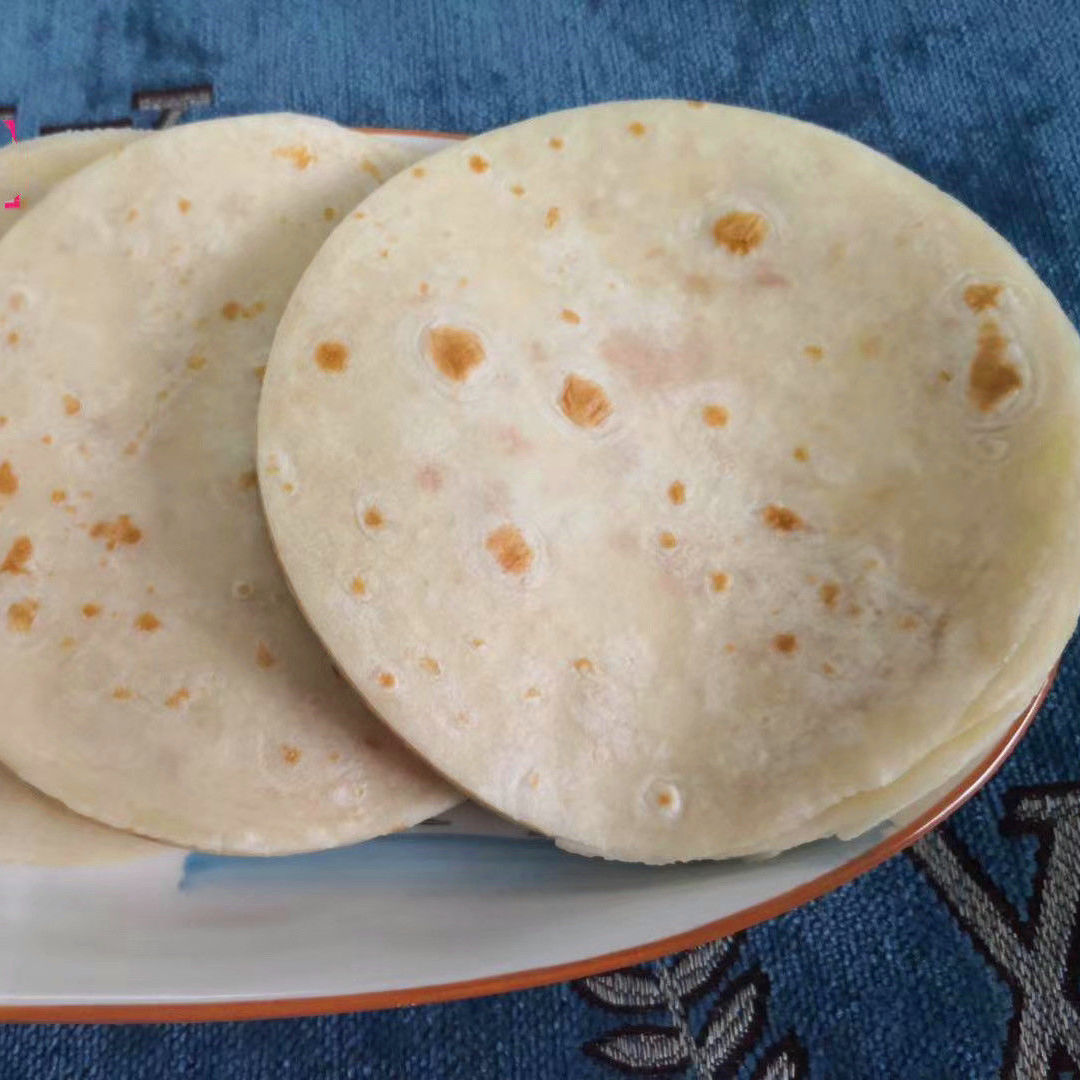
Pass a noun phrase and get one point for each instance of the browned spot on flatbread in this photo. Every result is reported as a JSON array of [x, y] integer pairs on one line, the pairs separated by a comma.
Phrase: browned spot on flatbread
[[230, 310], [21, 615], [509, 548], [570, 316], [584, 666], [259, 371], [637, 128], [430, 665], [829, 592], [18, 556], [800, 453], [9, 482], [555, 142], [828, 669], [358, 587], [147, 622], [387, 680], [424, 288], [813, 352], [669, 541], [332, 356], [455, 351], [290, 754], [419, 172], [373, 518], [714, 415], [248, 480], [300, 156], [584, 402], [329, 213], [532, 693], [121, 531], [72, 405], [47, 440], [981, 297], [551, 218], [263, 656], [91, 611], [695, 104], [677, 493], [13, 337], [907, 622], [785, 643], [993, 378], [518, 190], [132, 214], [174, 701], [740, 231], [945, 376], [781, 518], [196, 363], [184, 205], [122, 693], [719, 581], [479, 164]]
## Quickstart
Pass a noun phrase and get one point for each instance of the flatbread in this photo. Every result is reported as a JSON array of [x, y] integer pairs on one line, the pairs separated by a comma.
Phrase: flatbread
[[32, 167], [34, 828], [157, 674], [705, 468]]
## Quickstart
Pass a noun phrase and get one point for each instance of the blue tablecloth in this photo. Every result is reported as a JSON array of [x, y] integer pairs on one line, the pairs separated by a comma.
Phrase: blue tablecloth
[[959, 960]]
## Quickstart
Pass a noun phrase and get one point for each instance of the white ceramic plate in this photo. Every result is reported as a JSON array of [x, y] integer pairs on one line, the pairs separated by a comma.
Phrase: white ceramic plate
[[466, 904]]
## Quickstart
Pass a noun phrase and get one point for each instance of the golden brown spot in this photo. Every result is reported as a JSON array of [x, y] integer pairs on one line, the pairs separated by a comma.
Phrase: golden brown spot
[[729, 648], [131, 448], [20, 616], [532, 693], [3, 420], [907, 622], [694, 104], [18, 556], [509, 549], [174, 701], [740, 231], [132, 214], [122, 693], [290, 754], [828, 669], [551, 218], [263, 656], [455, 351], [800, 453], [359, 215], [184, 205], [259, 372], [584, 402], [254, 309], [387, 680], [424, 288], [583, 666], [477, 643], [288, 487], [782, 519], [677, 493], [814, 352], [47, 440], [570, 316], [329, 213], [248, 480], [981, 297], [419, 172], [91, 611], [533, 779], [72, 405], [9, 482], [121, 531], [358, 587], [67, 643], [518, 190], [668, 540], [371, 169], [59, 495], [373, 518], [945, 376], [555, 142], [636, 128], [854, 610], [828, 593], [430, 665], [13, 337], [332, 356], [479, 164], [664, 799], [334, 756], [462, 282], [785, 643], [196, 363], [148, 622], [993, 378], [230, 310], [300, 156], [720, 581], [714, 415]]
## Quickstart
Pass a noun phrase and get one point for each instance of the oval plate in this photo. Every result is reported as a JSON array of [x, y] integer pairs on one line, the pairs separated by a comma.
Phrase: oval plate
[[461, 906]]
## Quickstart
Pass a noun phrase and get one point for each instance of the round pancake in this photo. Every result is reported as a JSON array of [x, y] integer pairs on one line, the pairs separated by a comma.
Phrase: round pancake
[[705, 470], [157, 674]]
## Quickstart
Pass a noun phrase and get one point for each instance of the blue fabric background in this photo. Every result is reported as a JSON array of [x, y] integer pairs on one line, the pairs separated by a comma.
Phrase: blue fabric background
[[982, 97]]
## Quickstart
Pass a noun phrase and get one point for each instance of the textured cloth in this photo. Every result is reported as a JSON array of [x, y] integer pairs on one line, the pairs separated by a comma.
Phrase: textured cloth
[[958, 960]]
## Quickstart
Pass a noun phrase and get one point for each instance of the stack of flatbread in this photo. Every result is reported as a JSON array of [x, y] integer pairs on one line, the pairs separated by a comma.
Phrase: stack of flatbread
[[678, 480]]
